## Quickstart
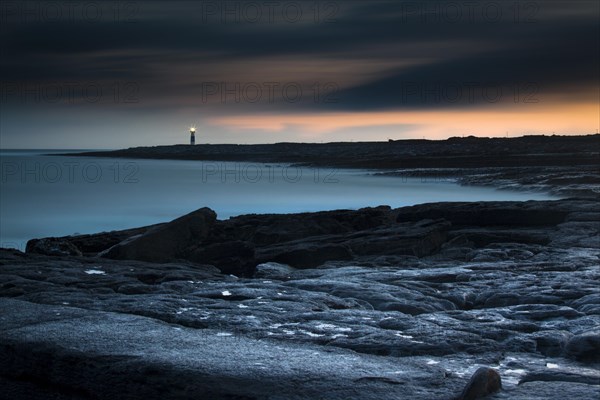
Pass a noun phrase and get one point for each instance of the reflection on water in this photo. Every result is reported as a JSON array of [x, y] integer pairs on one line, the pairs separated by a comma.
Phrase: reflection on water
[[55, 196]]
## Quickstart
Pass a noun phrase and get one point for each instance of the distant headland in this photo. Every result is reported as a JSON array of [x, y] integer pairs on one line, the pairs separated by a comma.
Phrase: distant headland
[[455, 152]]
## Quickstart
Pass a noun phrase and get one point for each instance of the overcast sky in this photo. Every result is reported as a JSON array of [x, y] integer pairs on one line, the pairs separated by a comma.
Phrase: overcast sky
[[125, 73]]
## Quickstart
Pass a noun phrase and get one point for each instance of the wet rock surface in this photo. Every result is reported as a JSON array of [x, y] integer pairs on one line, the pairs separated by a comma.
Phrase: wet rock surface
[[373, 303], [562, 181]]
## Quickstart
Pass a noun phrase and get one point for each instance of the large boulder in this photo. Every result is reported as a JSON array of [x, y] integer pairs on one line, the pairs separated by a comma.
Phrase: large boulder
[[166, 242], [484, 382]]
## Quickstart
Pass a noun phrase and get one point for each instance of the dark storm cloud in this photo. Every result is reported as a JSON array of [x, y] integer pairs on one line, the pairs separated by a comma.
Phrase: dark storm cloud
[[556, 60], [550, 44]]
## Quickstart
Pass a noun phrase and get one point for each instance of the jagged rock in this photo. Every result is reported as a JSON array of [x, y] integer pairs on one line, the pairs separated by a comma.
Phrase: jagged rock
[[551, 343], [95, 243], [273, 270], [52, 247], [166, 242], [234, 257], [585, 346]]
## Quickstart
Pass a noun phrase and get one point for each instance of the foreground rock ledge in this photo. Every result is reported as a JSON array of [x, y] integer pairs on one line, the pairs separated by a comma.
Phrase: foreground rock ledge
[[110, 355], [374, 303]]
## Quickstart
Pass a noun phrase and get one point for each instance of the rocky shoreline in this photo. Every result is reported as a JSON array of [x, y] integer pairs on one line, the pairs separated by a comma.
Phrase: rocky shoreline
[[366, 304]]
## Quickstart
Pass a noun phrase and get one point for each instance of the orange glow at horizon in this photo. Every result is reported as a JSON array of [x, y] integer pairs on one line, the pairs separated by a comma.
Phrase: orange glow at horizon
[[559, 119]]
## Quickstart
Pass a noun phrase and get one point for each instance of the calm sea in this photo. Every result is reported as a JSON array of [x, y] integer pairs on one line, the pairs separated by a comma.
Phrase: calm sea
[[44, 195]]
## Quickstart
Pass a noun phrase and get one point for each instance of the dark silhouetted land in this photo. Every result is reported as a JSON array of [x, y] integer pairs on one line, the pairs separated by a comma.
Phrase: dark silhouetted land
[[468, 152]]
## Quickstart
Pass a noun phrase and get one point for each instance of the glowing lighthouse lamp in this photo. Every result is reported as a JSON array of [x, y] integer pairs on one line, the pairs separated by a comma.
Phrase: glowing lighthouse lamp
[[192, 135]]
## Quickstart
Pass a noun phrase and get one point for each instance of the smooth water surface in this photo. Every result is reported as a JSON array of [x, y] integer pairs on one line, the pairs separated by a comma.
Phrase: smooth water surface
[[44, 196]]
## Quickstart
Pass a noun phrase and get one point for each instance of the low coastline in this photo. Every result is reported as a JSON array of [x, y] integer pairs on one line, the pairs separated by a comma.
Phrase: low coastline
[[566, 166]]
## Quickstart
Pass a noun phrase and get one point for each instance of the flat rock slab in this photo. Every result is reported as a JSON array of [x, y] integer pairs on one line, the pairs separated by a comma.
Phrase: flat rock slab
[[109, 355]]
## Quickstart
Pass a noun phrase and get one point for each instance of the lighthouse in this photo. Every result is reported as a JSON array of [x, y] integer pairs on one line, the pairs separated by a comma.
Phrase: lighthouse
[[192, 135]]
